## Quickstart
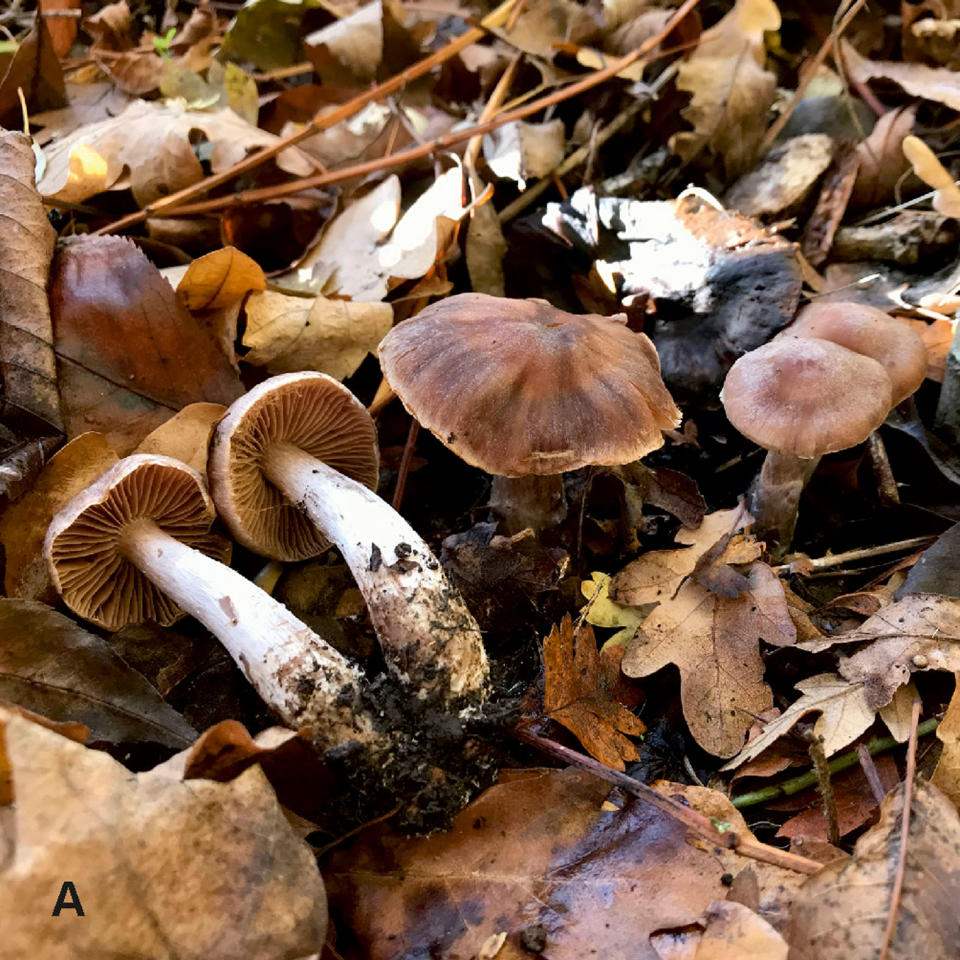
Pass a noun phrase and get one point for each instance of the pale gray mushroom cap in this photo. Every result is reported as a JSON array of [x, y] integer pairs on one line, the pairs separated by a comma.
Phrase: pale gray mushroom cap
[[806, 397], [84, 542], [518, 387], [308, 410]]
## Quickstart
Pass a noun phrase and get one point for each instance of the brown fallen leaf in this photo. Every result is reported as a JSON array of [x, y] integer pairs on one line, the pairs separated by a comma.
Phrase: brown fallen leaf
[[129, 354], [881, 158], [580, 693], [63, 30], [931, 171], [535, 856], [946, 776], [841, 913], [186, 435], [657, 575], [27, 367], [714, 641], [51, 666], [148, 149], [285, 334], [844, 715], [917, 79], [219, 279], [245, 885], [730, 88], [23, 525], [733, 931], [520, 151], [35, 70]]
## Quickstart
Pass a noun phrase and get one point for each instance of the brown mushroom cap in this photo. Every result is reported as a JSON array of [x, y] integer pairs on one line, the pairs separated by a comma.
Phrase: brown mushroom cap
[[869, 331], [83, 544], [517, 387], [806, 397], [311, 411]]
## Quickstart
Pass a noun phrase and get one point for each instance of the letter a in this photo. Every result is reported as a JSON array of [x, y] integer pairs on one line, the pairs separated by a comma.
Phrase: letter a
[[64, 904]]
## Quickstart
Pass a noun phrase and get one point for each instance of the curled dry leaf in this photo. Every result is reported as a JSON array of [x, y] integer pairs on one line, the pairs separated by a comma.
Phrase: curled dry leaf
[[714, 641], [186, 435], [129, 354], [23, 525], [121, 838], [881, 158], [580, 692], [51, 666], [27, 367], [931, 83], [350, 48], [219, 280], [518, 151], [148, 149], [841, 913], [285, 334], [731, 90], [932, 172], [844, 715]]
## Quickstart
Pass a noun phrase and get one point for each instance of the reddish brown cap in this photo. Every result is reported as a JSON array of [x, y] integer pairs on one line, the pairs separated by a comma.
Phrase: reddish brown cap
[[311, 411], [806, 397], [83, 544], [869, 331], [518, 387]]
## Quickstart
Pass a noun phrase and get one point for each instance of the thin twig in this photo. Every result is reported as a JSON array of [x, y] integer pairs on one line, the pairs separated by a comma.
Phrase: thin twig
[[822, 769], [811, 70], [863, 553], [747, 846], [164, 208], [404, 469], [869, 769], [897, 892], [321, 122]]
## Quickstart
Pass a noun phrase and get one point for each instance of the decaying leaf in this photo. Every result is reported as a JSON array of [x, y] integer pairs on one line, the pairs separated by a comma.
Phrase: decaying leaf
[[731, 89], [536, 850], [733, 931], [580, 692], [286, 333], [349, 49], [23, 525], [148, 149], [518, 151], [714, 641], [219, 280], [122, 839], [601, 611], [105, 298], [841, 913], [51, 666], [28, 376], [186, 435], [844, 715], [881, 158], [946, 777], [932, 172]]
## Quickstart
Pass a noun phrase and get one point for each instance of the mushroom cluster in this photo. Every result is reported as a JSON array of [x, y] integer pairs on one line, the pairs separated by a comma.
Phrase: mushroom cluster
[[822, 385], [525, 391]]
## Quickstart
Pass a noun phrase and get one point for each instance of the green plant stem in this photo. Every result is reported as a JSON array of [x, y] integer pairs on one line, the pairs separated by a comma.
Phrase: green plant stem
[[837, 765]]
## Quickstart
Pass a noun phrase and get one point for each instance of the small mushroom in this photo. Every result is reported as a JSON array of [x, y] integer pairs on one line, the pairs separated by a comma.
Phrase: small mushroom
[[800, 398], [292, 466], [867, 330], [521, 389], [136, 545]]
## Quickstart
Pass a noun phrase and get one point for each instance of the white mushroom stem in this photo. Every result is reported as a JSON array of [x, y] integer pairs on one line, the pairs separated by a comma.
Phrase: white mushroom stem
[[304, 679], [775, 497], [429, 638]]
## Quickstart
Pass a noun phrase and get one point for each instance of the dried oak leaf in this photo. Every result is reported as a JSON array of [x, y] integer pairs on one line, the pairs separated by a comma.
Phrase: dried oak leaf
[[536, 850], [714, 641], [844, 715], [841, 913], [162, 867], [148, 148], [28, 375], [129, 354], [50, 665], [731, 89], [580, 690]]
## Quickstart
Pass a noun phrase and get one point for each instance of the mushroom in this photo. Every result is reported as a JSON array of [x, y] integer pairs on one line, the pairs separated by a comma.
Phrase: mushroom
[[867, 330], [293, 466], [136, 545], [521, 389], [800, 398]]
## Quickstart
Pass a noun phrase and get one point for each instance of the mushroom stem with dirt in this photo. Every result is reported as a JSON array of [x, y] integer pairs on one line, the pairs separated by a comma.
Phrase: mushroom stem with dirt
[[525, 392], [292, 466], [136, 545]]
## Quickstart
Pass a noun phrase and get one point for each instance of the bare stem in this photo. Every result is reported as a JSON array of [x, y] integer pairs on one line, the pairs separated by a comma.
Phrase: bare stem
[[775, 497]]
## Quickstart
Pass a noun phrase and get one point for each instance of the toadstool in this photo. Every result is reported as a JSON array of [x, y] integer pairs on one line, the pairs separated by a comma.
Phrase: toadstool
[[800, 398], [522, 389], [292, 466], [136, 545]]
